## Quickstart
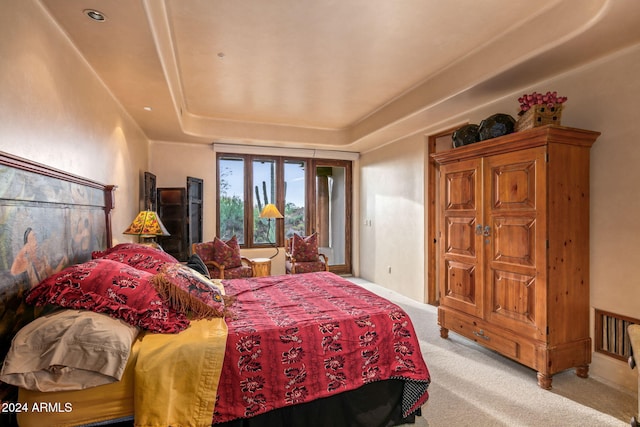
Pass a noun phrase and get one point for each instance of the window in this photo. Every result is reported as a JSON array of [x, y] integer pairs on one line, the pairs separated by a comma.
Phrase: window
[[314, 195], [264, 192], [231, 203], [294, 197]]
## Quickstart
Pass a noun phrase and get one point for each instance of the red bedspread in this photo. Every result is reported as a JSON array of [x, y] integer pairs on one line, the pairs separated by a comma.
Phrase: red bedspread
[[301, 337]]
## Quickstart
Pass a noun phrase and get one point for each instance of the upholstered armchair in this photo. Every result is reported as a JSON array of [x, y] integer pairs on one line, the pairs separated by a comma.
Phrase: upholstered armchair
[[302, 256], [223, 259]]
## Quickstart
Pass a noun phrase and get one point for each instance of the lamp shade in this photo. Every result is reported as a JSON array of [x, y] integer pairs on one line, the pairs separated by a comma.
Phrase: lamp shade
[[270, 211], [147, 224]]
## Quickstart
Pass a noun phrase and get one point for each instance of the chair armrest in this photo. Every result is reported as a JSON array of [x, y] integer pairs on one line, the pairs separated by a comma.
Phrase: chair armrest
[[634, 337], [326, 261], [214, 264], [292, 260]]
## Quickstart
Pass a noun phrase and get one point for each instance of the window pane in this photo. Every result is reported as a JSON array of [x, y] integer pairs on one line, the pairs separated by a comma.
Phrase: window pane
[[294, 197], [264, 187], [231, 179]]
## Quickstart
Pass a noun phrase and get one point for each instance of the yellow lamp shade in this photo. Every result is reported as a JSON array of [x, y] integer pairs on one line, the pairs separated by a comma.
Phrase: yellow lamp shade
[[270, 211]]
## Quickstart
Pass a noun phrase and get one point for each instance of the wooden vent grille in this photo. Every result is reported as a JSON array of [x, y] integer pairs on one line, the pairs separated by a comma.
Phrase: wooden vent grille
[[611, 336]]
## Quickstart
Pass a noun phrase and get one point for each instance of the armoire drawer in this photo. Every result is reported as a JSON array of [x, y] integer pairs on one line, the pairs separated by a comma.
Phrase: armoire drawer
[[483, 336]]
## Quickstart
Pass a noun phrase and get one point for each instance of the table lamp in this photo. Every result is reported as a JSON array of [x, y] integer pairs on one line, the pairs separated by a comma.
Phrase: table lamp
[[147, 226]]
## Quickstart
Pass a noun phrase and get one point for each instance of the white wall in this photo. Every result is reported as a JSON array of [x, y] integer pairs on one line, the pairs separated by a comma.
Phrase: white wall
[[603, 96], [55, 111]]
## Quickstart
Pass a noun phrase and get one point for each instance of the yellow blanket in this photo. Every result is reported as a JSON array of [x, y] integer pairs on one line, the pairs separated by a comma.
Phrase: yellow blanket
[[173, 379], [176, 379]]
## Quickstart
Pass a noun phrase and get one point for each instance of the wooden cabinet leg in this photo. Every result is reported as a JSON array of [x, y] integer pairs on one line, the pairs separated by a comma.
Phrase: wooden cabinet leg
[[544, 381], [583, 371], [444, 332]]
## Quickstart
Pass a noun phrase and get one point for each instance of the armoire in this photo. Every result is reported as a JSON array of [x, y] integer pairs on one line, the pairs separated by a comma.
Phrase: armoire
[[513, 257]]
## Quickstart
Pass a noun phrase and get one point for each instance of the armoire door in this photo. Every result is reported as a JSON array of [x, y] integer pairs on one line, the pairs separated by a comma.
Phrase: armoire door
[[195, 196], [461, 236], [172, 210], [515, 241]]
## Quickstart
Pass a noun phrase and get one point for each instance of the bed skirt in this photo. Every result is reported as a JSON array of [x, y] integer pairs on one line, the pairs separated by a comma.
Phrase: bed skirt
[[375, 404]]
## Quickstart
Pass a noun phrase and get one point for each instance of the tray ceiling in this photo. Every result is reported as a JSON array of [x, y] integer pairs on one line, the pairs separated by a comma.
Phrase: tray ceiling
[[336, 74]]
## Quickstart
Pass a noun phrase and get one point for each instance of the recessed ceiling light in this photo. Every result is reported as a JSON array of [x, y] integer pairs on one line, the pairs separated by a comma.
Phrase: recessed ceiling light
[[95, 15], [147, 108]]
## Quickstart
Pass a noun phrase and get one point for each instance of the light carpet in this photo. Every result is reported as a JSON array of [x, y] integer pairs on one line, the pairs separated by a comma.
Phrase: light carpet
[[473, 386]]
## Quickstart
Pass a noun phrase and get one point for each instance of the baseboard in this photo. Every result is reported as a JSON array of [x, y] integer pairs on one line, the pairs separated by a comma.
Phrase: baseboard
[[614, 373]]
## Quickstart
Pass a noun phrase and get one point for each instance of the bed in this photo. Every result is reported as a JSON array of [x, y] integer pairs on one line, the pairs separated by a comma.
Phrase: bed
[[311, 349]]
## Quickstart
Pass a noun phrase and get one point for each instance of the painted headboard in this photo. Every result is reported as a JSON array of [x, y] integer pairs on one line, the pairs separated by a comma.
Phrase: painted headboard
[[49, 219]]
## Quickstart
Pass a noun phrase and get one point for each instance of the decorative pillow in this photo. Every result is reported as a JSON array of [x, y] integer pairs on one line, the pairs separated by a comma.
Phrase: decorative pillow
[[227, 253], [69, 350], [305, 249], [196, 263], [113, 288], [139, 256], [190, 292]]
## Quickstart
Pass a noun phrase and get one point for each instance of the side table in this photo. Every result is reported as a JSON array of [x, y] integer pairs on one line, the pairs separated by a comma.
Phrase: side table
[[261, 267]]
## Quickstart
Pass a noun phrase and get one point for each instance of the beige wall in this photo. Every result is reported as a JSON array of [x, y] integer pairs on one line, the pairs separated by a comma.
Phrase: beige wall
[[603, 96], [55, 111], [392, 212], [173, 162]]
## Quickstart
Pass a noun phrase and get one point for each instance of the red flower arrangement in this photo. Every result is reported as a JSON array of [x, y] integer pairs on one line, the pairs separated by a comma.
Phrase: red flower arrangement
[[535, 98]]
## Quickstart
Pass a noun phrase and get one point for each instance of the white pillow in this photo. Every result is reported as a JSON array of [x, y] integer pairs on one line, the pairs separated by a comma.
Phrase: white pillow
[[69, 350]]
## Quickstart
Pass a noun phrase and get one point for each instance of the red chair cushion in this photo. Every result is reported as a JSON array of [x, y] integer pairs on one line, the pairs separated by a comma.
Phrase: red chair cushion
[[309, 267], [238, 272]]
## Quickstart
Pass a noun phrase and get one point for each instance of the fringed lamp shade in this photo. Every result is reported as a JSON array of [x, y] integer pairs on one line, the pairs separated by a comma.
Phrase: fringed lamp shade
[[147, 224]]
